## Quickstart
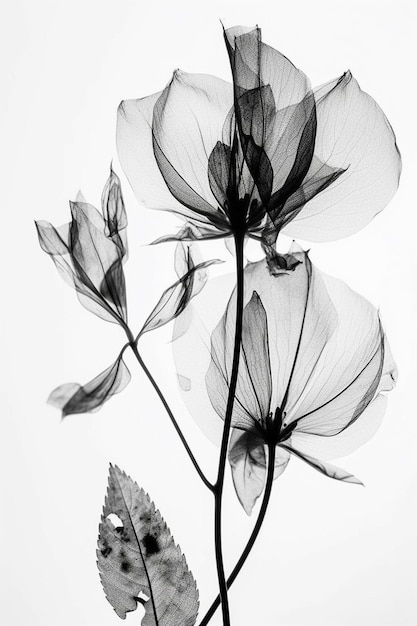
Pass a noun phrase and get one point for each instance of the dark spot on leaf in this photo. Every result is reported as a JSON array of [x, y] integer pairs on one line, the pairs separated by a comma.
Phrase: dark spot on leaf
[[106, 550], [125, 566], [151, 544]]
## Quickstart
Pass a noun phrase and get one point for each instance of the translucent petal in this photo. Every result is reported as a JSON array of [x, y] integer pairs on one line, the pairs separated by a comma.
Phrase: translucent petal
[[74, 398], [114, 211], [301, 320], [135, 151], [187, 124], [254, 63], [274, 105], [352, 369], [254, 385], [55, 241], [353, 134], [248, 461], [349, 439]]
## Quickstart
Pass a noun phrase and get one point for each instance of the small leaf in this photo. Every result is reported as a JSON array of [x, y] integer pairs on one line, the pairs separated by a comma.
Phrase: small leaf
[[139, 561], [74, 398], [332, 471], [175, 299]]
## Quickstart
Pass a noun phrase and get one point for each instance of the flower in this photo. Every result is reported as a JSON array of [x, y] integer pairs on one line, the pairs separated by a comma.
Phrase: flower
[[314, 363], [260, 155], [89, 252]]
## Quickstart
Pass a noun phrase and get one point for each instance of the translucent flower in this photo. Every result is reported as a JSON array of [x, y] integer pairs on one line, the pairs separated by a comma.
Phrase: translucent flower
[[260, 155], [89, 252], [314, 363]]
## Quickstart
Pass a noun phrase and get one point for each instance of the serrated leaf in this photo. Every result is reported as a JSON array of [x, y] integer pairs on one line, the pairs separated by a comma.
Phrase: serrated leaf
[[139, 558]]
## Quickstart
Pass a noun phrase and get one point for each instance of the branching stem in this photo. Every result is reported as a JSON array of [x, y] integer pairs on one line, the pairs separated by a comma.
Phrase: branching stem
[[133, 345], [218, 487], [252, 538]]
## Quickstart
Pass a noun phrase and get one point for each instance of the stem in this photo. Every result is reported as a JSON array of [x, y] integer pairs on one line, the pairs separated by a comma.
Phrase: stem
[[218, 487], [252, 538], [155, 385]]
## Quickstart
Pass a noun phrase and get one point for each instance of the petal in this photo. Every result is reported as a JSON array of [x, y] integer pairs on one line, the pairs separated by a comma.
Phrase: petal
[[254, 63], [97, 258], [325, 468], [248, 462], [192, 354], [354, 367], [74, 398], [135, 151], [301, 318], [349, 439], [353, 134], [187, 123], [56, 242], [274, 105], [114, 211], [254, 386]]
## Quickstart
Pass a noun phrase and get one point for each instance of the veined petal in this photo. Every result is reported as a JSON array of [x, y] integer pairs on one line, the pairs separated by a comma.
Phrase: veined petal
[[355, 366], [349, 439], [114, 211], [275, 107], [301, 317], [254, 385], [56, 242], [248, 461], [74, 398], [98, 258], [188, 118], [135, 151], [255, 64], [354, 135]]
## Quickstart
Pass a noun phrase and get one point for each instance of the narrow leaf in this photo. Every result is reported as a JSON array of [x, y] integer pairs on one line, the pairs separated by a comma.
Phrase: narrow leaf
[[139, 559], [332, 471]]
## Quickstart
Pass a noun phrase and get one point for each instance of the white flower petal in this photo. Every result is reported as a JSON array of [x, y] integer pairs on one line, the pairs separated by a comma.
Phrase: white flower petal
[[354, 134]]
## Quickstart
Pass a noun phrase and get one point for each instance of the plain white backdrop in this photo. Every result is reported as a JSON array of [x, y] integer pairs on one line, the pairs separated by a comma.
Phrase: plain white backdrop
[[329, 554]]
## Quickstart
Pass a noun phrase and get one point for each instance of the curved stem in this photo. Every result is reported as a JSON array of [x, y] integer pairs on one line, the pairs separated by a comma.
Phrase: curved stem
[[218, 487], [170, 413], [252, 538]]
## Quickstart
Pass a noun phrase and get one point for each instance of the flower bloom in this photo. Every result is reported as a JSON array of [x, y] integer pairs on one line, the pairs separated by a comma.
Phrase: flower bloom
[[314, 363], [89, 252], [260, 155]]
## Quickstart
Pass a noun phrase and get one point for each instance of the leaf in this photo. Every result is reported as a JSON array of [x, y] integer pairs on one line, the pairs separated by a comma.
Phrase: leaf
[[139, 558], [74, 398], [332, 471], [175, 299]]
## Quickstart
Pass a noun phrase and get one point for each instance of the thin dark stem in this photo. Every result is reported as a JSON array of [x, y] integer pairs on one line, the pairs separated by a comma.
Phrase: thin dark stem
[[252, 538], [155, 385], [218, 487]]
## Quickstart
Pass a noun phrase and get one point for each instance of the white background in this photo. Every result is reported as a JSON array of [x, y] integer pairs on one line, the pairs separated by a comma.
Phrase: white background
[[329, 554]]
